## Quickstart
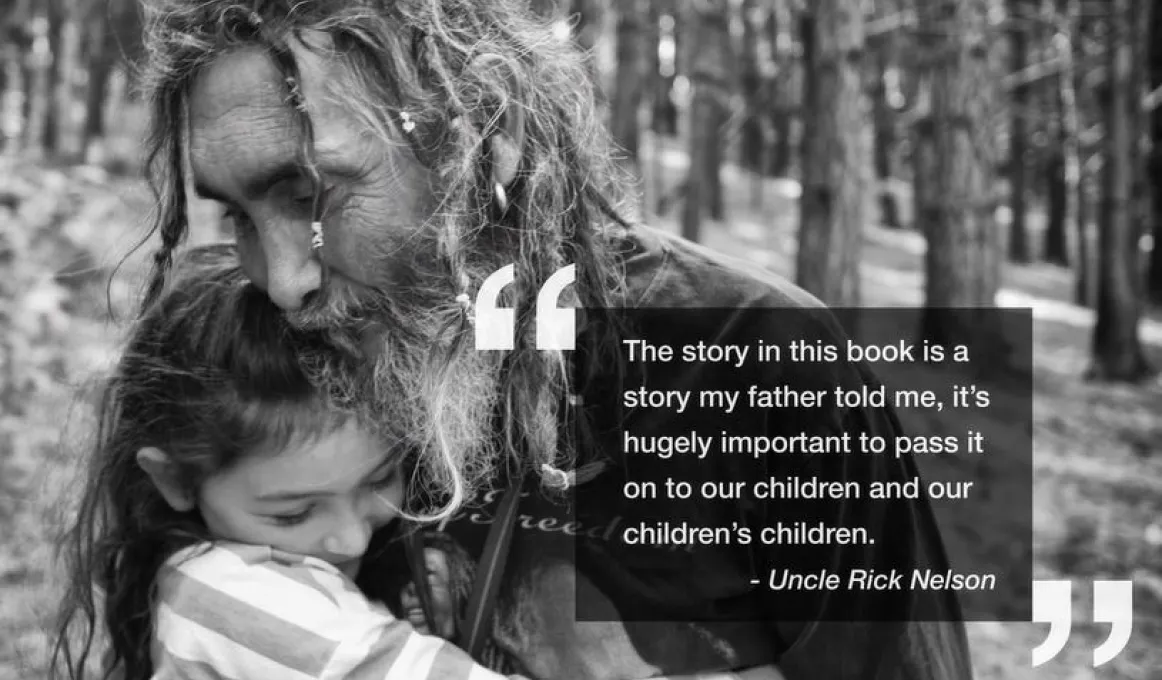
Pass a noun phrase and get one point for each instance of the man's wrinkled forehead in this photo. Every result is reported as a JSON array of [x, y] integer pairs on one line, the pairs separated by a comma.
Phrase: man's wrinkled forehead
[[249, 75], [237, 107], [240, 119]]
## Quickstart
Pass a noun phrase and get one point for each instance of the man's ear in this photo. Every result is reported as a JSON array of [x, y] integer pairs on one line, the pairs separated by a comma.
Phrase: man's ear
[[505, 145], [157, 464]]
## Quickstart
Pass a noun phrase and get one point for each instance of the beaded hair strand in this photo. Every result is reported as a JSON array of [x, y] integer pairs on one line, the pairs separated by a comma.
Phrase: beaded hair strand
[[285, 62]]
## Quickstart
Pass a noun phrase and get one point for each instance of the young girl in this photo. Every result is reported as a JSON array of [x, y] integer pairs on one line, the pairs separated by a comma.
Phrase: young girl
[[228, 505]]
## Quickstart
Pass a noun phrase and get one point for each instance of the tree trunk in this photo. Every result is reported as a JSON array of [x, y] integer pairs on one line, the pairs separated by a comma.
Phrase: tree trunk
[[882, 49], [1117, 349], [958, 211], [1085, 293], [54, 92], [750, 82], [1154, 275], [757, 66], [101, 58], [1078, 203], [1141, 209], [30, 74], [649, 161], [665, 115], [630, 80], [785, 99], [836, 153], [715, 205], [708, 29], [18, 60], [1018, 154], [1056, 195]]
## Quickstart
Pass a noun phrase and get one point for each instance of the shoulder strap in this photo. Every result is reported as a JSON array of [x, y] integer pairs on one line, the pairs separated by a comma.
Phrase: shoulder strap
[[474, 630]]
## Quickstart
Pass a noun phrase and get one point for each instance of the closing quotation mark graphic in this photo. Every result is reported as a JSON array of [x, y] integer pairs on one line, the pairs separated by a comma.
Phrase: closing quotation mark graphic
[[496, 326], [1113, 603]]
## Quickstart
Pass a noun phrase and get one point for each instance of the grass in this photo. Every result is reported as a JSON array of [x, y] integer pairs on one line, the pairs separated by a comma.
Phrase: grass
[[1097, 453]]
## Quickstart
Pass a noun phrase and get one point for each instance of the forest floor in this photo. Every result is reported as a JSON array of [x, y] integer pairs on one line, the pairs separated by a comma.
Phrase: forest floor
[[1097, 449]]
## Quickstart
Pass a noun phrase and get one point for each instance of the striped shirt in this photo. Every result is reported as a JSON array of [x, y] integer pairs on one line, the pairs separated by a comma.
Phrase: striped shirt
[[231, 611]]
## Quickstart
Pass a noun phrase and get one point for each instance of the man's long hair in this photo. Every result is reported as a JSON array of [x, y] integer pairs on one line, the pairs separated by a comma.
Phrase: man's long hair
[[422, 57]]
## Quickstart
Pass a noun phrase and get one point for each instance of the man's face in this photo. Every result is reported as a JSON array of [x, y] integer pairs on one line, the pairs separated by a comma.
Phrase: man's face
[[245, 153], [375, 285]]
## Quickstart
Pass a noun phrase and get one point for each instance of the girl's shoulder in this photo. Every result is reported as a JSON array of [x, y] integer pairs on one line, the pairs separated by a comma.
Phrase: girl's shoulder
[[241, 556], [225, 604], [249, 612], [255, 576]]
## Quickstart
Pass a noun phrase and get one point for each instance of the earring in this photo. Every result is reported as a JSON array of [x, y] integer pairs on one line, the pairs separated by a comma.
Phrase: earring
[[408, 124], [465, 303], [501, 197], [316, 235]]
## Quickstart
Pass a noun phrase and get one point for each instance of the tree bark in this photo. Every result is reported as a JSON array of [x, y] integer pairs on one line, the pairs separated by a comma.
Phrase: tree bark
[[57, 70], [102, 55], [958, 209], [1154, 171], [1056, 195], [1018, 136], [715, 202], [665, 112], [1117, 348], [1086, 290], [750, 82], [630, 82], [1077, 176], [786, 100], [24, 39], [16, 38], [709, 30], [883, 50], [836, 153], [1154, 275]]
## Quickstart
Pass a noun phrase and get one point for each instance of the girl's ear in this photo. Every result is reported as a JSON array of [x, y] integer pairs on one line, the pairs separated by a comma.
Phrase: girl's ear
[[164, 473]]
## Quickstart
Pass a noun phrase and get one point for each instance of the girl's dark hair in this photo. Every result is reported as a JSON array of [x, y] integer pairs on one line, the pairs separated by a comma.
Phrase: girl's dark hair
[[211, 372]]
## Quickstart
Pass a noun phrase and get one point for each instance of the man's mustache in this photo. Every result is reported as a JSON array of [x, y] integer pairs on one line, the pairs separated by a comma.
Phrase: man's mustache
[[339, 307]]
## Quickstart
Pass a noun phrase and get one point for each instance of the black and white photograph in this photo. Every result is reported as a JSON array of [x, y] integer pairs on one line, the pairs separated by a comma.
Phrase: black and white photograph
[[580, 339]]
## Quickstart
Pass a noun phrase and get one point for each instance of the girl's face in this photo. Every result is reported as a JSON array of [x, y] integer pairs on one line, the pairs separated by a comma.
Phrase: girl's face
[[322, 497]]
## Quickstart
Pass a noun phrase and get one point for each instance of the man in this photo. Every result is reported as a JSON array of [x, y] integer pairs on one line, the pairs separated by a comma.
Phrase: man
[[379, 160]]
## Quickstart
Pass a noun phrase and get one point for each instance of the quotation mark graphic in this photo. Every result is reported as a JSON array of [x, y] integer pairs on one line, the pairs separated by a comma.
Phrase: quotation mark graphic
[[496, 326], [1112, 604]]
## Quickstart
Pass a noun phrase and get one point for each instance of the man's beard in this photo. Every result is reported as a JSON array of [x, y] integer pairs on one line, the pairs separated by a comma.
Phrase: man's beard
[[406, 366]]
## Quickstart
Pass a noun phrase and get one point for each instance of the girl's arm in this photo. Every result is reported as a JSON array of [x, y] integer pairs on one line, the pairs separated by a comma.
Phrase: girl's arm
[[246, 613]]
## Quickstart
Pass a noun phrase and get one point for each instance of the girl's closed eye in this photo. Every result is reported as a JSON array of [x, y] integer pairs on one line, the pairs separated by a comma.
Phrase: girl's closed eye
[[291, 519]]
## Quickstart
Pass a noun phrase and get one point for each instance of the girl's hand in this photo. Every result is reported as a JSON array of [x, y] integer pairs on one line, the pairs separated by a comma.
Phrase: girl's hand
[[442, 601]]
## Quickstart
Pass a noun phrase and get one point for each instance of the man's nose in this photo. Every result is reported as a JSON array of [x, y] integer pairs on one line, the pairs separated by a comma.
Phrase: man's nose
[[286, 268]]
